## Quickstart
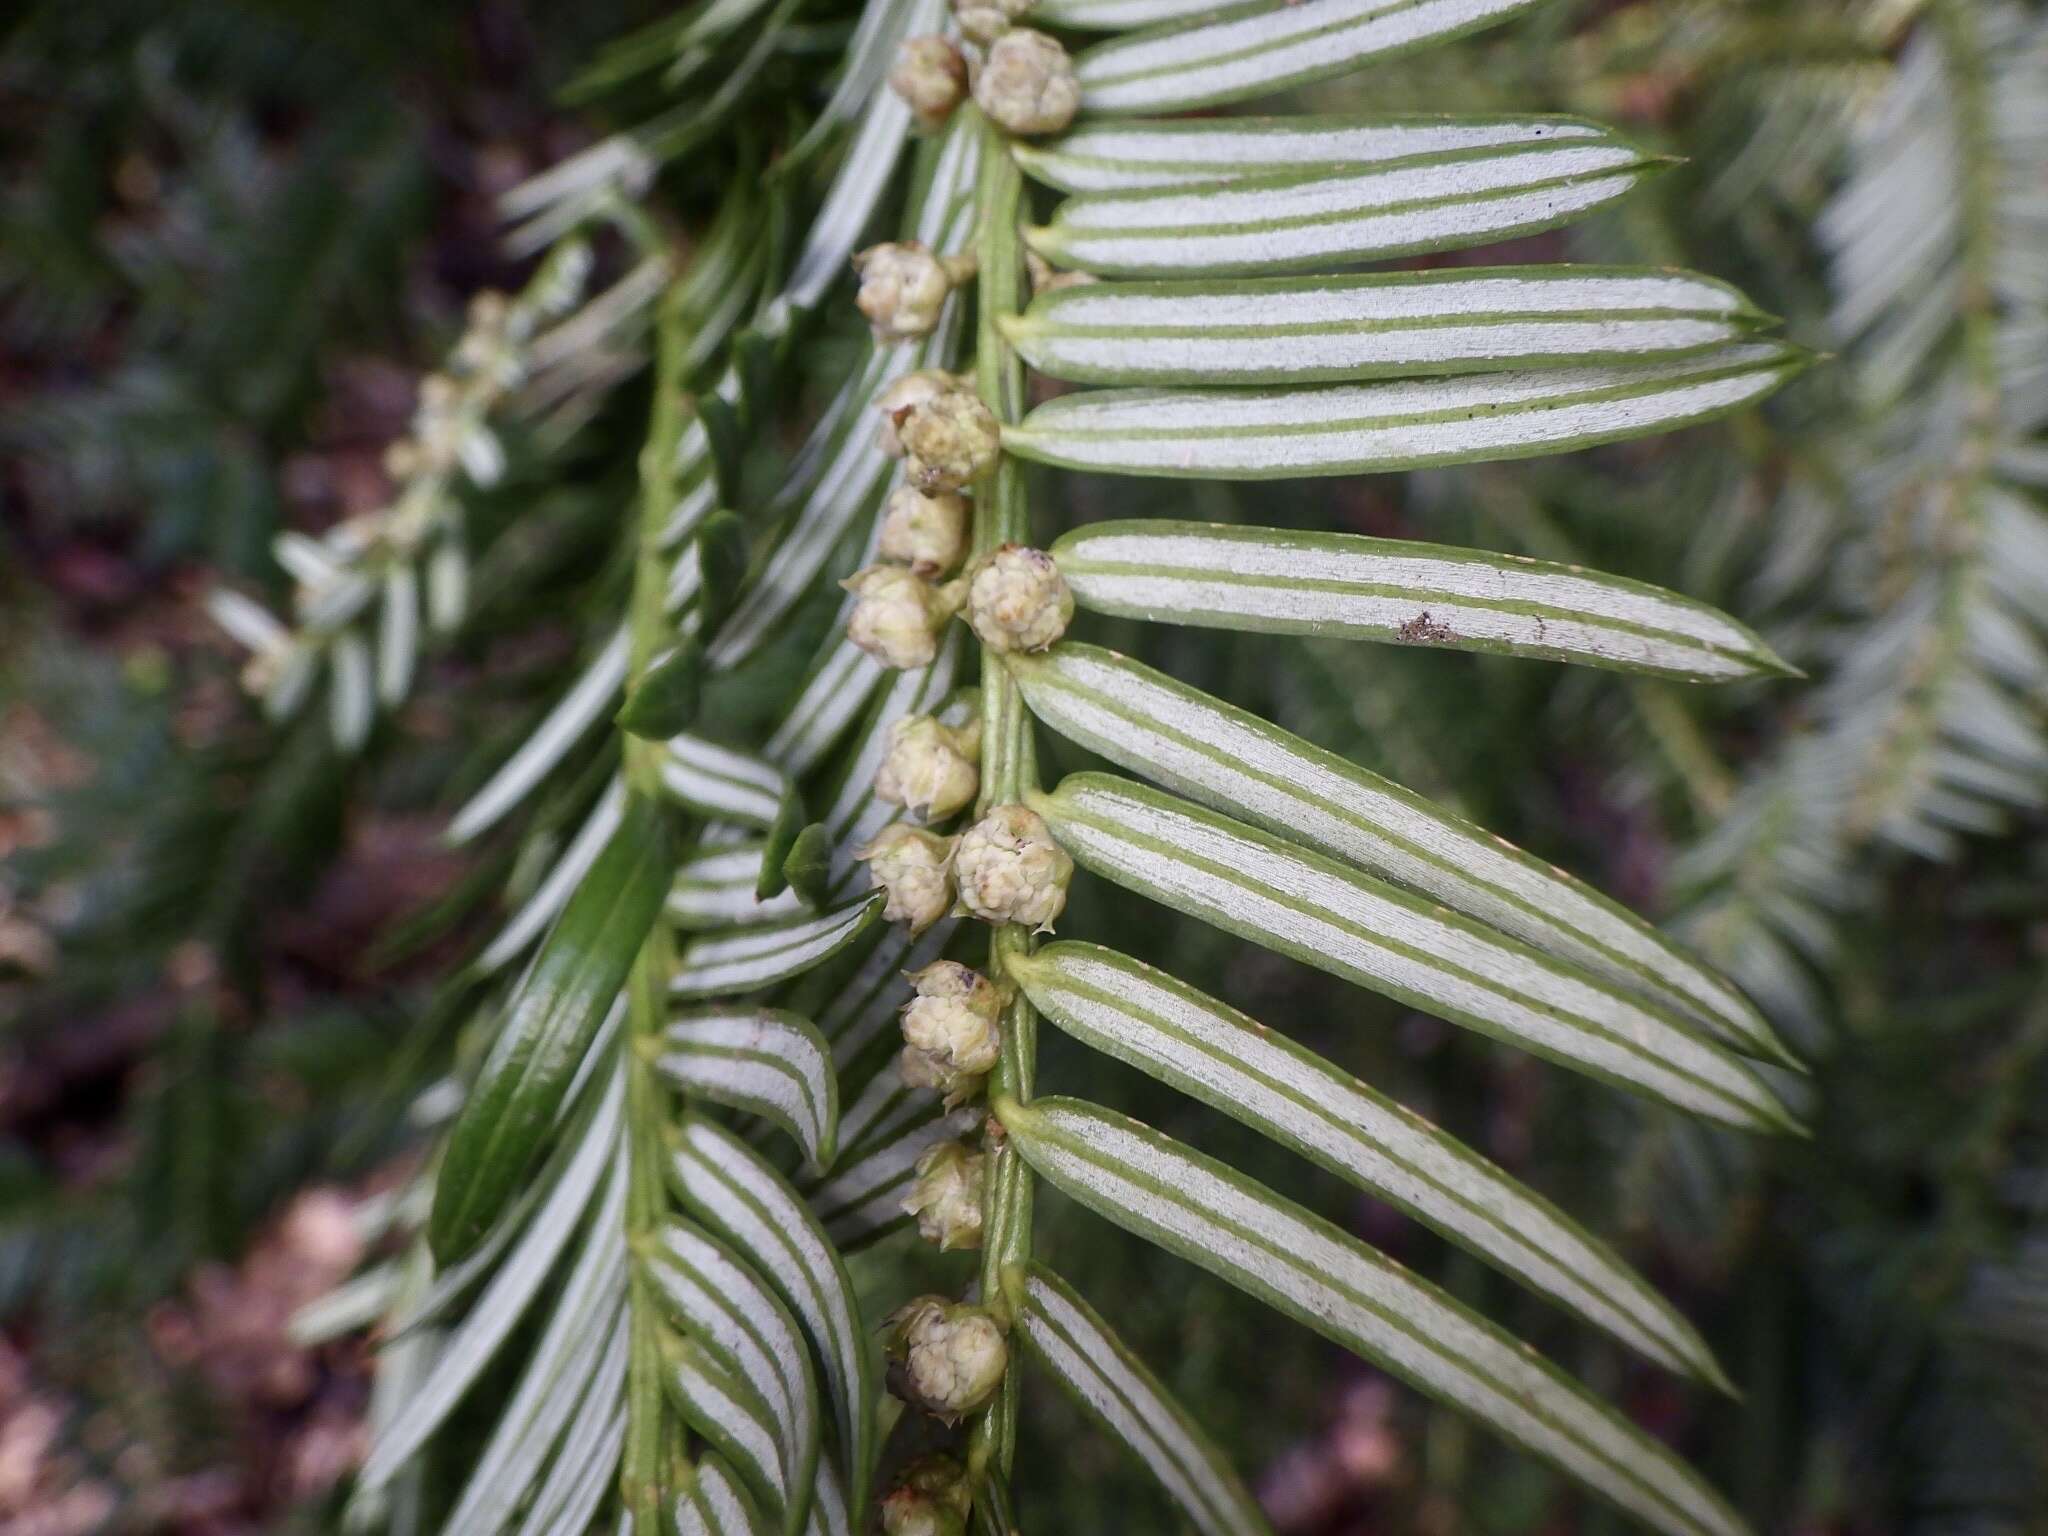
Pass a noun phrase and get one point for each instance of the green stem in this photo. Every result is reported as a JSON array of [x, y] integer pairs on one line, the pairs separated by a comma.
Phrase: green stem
[[642, 1467], [1008, 772]]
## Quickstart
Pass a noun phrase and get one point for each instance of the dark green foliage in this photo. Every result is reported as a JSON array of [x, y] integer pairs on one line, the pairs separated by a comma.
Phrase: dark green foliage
[[560, 1005], [664, 702], [807, 866], [778, 850]]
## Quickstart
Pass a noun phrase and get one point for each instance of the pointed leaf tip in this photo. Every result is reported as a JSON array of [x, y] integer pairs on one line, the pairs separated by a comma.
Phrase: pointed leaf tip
[[1310, 907], [1326, 1279]]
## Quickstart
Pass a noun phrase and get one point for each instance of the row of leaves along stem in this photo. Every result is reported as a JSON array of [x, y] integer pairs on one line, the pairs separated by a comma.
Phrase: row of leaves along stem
[[721, 1332], [969, 1032]]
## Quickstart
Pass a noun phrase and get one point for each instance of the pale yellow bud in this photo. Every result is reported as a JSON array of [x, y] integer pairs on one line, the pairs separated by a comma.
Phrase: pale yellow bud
[[260, 671], [930, 767], [931, 75], [933, 1499], [926, 533], [437, 393], [903, 289], [1017, 600], [487, 310], [402, 459], [952, 1034], [1027, 83], [949, 440], [895, 402], [1010, 870], [897, 615], [911, 865], [945, 1358], [983, 21], [946, 1196]]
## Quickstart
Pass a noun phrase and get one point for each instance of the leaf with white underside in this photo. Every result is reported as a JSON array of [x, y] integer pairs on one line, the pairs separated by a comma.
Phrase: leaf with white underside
[[1308, 330], [864, 1196], [881, 1109], [1321, 1276], [836, 691], [1351, 429], [1161, 1026], [715, 889], [1308, 906], [728, 1412], [1064, 1334], [730, 1314], [1134, 154], [1118, 15], [725, 1184], [1286, 582], [766, 1061], [1298, 221], [562, 727], [351, 701], [474, 1343], [865, 1007], [1236, 762], [566, 1362], [845, 484], [713, 1503], [748, 959], [829, 1514], [1273, 45], [585, 1467], [722, 784], [553, 892], [247, 621]]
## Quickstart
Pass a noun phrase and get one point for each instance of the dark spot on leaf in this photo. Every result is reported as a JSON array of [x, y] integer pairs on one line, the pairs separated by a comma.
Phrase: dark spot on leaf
[[1423, 630]]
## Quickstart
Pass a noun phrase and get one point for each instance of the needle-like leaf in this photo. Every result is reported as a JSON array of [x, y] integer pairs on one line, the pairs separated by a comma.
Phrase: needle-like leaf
[[749, 959], [864, 1196], [1064, 1334], [729, 1312], [1118, 15], [1164, 1027], [550, 742], [1238, 763], [1350, 429], [569, 1359], [474, 1343], [728, 1410], [1284, 581], [712, 1502], [720, 784], [715, 889], [1303, 220], [767, 1061], [1134, 154], [1267, 46], [726, 1185], [1307, 330], [1308, 906], [1321, 1276], [560, 882]]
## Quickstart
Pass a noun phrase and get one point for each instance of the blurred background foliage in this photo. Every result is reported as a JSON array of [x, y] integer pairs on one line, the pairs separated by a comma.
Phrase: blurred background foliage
[[233, 234]]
